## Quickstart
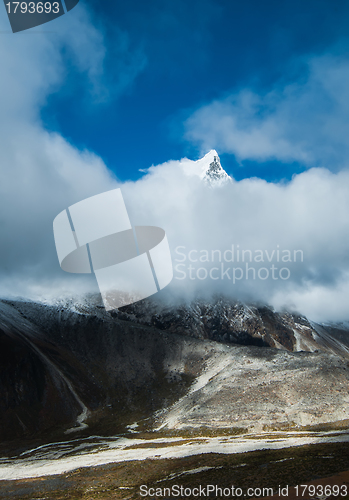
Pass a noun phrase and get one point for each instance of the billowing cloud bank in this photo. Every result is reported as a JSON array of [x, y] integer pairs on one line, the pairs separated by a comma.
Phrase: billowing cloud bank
[[300, 228], [305, 120], [40, 172]]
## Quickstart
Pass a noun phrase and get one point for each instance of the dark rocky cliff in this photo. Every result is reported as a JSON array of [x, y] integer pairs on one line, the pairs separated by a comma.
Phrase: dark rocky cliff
[[32, 397]]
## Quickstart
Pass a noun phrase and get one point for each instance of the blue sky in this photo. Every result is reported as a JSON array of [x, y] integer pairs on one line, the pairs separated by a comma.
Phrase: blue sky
[[177, 57]]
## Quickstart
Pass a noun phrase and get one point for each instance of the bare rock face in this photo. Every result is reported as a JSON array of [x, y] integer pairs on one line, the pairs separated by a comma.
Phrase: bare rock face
[[34, 397]]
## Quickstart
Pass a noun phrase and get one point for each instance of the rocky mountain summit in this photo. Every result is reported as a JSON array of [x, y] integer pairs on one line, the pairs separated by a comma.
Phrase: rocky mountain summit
[[215, 174], [209, 169], [70, 368]]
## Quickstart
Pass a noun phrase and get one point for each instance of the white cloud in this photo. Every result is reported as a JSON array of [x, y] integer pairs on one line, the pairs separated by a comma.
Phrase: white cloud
[[310, 214], [303, 121], [41, 174], [318, 302]]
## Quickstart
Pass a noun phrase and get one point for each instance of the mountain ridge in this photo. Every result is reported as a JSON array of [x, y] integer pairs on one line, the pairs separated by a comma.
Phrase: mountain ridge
[[166, 368]]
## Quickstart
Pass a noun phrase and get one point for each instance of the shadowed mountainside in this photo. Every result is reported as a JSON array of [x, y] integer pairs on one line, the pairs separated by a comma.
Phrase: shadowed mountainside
[[72, 366]]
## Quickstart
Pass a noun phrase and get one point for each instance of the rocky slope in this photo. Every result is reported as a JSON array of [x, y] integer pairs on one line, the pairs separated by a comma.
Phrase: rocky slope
[[72, 366], [259, 389]]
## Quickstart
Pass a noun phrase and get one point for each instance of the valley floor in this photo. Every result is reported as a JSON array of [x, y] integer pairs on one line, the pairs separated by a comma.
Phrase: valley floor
[[263, 468]]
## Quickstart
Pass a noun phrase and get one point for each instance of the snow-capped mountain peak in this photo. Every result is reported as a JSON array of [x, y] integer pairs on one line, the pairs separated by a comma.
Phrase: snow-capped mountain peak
[[215, 174], [209, 169]]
